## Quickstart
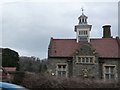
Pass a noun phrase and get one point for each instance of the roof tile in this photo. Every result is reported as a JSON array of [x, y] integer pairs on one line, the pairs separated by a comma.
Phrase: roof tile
[[105, 47]]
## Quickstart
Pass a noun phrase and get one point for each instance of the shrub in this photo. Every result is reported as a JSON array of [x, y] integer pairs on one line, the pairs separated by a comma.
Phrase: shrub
[[39, 81], [33, 81], [18, 77]]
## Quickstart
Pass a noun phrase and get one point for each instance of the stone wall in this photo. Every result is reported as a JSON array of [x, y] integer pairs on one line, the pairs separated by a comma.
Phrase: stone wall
[[109, 61], [83, 70], [52, 64], [91, 70]]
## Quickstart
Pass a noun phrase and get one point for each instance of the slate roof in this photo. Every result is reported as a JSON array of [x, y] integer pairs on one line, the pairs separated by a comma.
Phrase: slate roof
[[105, 47]]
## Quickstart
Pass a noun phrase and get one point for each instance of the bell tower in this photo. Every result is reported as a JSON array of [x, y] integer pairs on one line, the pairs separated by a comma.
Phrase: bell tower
[[83, 29]]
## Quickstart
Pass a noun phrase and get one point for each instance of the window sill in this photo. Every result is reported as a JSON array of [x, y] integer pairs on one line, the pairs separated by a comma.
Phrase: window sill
[[85, 63]]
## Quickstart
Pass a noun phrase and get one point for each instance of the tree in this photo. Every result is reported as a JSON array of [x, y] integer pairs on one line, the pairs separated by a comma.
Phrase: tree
[[10, 58], [33, 64], [30, 64]]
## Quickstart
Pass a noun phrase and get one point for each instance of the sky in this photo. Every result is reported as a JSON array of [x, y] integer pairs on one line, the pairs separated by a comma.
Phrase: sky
[[26, 26], [119, 19]]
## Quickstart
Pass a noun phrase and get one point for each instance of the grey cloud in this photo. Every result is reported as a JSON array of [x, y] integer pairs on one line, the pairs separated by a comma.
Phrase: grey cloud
[[27, 27], [119, 18]]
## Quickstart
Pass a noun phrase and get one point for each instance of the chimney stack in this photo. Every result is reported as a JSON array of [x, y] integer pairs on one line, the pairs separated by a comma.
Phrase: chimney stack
[[106, 31]]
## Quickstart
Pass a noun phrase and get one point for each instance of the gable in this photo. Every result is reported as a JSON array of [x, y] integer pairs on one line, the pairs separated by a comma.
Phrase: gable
[[85, 49]]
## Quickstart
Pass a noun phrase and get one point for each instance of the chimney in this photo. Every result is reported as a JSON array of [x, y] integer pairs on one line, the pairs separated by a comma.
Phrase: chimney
[[106, 31]]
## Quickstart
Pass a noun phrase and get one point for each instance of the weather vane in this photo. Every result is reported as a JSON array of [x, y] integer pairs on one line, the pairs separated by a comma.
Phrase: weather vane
[[82, 9]]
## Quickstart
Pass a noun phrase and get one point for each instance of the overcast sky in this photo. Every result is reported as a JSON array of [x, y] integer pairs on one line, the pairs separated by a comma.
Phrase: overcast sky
[[27, 27]]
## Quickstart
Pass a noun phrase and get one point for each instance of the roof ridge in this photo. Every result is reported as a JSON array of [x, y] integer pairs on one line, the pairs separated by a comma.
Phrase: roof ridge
[[63, 39], [101, 38]]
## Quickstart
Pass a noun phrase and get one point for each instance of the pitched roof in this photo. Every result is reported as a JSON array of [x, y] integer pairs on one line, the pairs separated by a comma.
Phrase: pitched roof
[[105, 47], [10, 69], [62, 47]]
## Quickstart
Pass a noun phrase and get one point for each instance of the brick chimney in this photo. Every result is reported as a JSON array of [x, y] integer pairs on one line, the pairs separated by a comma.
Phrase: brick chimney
[[106, 31]]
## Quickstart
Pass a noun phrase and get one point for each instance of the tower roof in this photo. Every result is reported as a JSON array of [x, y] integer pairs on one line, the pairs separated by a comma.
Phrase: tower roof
[[82, 18]]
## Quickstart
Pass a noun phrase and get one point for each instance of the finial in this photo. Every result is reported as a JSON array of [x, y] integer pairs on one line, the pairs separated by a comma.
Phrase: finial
[[82, 10]]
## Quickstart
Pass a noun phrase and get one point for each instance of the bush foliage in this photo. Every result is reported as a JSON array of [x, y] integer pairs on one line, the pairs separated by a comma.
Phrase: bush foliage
[[34, 81]]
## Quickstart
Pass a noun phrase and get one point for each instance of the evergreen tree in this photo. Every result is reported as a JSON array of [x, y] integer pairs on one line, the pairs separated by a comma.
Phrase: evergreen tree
[[10, 58]]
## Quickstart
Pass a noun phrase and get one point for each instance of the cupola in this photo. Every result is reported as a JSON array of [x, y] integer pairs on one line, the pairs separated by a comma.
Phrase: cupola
[[83, 29]]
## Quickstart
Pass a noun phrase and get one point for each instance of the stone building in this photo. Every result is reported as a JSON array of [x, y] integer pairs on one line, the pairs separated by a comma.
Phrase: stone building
[[85, 57]]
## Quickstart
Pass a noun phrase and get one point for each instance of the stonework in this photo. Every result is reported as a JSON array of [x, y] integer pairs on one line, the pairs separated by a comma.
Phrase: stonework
[[83, 70]]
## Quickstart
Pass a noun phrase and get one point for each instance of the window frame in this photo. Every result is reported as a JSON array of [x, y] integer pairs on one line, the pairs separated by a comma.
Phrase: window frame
[[62, 69], [82, 59], [83, 32], [109, 73]]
